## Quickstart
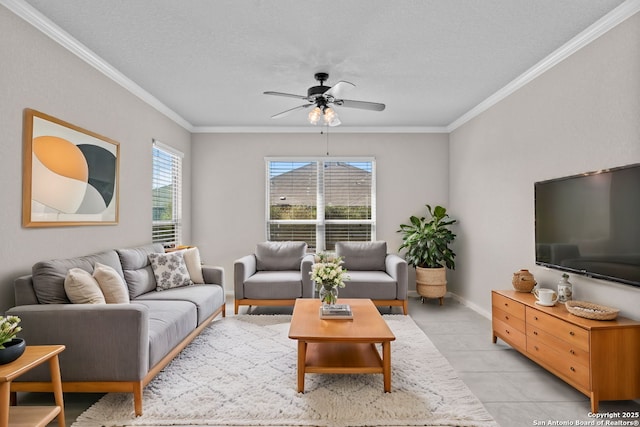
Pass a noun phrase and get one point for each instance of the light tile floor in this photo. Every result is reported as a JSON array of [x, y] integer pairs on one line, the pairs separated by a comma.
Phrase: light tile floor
[[516, 391]]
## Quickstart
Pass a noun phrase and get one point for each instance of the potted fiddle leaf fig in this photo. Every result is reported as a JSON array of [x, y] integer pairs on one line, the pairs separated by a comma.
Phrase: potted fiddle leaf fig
[[427, 241]]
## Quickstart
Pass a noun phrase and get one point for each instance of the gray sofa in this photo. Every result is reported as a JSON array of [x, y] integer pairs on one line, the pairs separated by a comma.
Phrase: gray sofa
[[277, 273], [374, 274], [112, 347]]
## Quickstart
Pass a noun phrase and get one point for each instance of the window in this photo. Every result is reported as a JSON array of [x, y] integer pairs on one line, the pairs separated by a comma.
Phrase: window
[[321, 201], [167, 194]]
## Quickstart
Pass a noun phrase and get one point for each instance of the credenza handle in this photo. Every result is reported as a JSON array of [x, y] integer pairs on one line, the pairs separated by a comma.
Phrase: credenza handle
[[536, 347], [572, 369], [535, 332], [507, 331], [506, 317], [572, 352], [535, 317], [572, 333]]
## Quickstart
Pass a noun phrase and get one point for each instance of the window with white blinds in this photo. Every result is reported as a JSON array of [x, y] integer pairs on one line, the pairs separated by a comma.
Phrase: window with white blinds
[[321, 201], [167, 195]]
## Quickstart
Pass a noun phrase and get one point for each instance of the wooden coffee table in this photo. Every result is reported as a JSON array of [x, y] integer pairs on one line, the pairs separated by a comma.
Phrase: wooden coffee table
[[341, 346]]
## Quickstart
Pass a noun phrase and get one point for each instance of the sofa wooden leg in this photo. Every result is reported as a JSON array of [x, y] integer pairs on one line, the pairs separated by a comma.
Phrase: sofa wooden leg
[[236, 307], [405, 307], [137, 398]]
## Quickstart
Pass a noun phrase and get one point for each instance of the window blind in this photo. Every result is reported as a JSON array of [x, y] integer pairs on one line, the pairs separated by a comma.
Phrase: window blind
[[321, 201], [166, 195]]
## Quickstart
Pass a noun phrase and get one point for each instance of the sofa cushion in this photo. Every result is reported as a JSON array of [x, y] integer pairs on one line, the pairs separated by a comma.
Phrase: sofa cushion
[[111, 284], [48, 276], [273, 285], [82, 288], [169, 323], [362, 255], [137, 270], [206, 298], [169, 270], [369, 284], [280, 255]]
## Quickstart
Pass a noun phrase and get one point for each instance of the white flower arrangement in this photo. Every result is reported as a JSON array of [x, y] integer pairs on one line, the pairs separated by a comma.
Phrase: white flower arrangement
[[8, 329], [327, 272]]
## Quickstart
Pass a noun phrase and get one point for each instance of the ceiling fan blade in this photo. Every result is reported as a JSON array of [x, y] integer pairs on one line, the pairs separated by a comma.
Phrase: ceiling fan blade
[[289, 111], [338, 90], [364, 105], [289, 95]]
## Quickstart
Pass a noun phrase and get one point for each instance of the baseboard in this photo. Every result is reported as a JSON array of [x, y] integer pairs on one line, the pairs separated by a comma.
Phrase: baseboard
[[481, 311]]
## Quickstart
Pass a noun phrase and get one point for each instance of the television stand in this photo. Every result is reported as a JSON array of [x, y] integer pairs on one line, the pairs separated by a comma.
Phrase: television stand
[[597, 357]]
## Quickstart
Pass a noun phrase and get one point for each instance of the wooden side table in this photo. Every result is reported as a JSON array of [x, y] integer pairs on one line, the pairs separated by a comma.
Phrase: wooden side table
[[34, 355]]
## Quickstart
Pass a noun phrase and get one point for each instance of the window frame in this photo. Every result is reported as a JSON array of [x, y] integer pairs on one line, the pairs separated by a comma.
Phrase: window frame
[[320, 221], [176, 173]]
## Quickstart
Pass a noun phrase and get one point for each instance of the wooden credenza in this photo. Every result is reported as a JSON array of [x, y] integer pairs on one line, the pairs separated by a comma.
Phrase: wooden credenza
[[600, 358]]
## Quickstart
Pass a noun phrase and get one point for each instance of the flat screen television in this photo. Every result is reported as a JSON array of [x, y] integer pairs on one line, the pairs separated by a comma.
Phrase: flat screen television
[[589, 224]]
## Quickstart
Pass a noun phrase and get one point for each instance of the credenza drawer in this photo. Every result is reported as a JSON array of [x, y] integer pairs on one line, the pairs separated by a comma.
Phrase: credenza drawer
[[509, 319], [565, 331], [564, 348], [508, 305], [509, 334], [570, 369]]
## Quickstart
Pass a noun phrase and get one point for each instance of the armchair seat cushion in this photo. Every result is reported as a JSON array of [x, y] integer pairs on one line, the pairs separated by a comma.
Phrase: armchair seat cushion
[[273, 285], [369, 284]]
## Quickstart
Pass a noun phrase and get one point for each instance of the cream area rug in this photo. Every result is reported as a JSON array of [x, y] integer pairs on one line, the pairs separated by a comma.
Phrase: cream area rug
[[241, 371]]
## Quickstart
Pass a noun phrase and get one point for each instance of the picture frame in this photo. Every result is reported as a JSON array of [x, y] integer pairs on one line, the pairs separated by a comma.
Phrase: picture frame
[[70, 174]]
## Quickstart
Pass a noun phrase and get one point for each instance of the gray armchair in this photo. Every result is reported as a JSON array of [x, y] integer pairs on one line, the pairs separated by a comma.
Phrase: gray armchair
[[276, 274], [374, 274]]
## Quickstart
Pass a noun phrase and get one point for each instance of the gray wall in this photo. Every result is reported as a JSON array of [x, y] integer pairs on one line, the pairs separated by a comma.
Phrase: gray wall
[[37, 73], [582, 115], [229, 183]]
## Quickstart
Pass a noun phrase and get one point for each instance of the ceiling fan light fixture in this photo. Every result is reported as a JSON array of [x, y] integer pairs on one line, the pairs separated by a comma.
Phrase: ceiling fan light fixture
[[314, 115], [329, 115]]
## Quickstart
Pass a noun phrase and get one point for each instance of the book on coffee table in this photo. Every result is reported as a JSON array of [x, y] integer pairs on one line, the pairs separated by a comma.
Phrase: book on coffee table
[[336, 311]]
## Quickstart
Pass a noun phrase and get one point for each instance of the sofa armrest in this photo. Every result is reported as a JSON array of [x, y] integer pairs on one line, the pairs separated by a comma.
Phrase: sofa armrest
[[308, 286], [213, 275], [104, 342], [243, 268], [396, 267]]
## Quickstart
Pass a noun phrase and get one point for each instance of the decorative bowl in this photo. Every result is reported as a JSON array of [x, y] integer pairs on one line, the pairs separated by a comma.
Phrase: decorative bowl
[[12, 350]]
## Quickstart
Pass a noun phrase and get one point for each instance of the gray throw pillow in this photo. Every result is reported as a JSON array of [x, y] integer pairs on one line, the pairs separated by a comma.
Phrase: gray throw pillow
[[276, 256], [367, 256]]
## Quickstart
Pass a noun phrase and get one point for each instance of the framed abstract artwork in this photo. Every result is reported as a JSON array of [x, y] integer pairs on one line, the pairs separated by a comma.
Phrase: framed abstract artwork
[[70, 175]]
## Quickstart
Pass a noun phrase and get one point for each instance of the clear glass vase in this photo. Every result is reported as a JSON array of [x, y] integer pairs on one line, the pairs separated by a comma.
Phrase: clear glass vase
[[328, 294]]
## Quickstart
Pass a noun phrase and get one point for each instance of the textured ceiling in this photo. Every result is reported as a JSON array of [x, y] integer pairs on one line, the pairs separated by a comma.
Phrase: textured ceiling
[[429, 61]]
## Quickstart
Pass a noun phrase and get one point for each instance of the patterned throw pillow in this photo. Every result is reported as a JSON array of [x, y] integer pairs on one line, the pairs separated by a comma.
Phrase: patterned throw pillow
[[170, 270]]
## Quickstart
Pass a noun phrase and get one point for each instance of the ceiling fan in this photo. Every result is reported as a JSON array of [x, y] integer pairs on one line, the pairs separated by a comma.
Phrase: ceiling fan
[[323, 99]]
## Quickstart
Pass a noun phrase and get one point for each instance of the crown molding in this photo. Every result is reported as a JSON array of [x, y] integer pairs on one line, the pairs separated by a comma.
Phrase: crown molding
[[57, 34], [318, 129], [600, 27]]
